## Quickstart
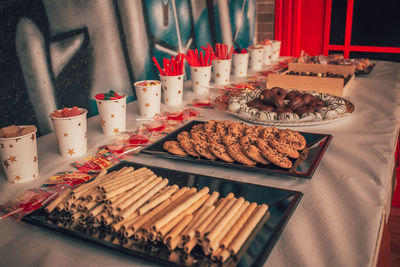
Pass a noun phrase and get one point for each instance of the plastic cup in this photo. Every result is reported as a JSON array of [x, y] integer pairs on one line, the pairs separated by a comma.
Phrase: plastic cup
[[267, 54], [19, 157], [221, 71], [148, 94], [112, 115], [201, 77], [71, 134], [256, 57], [276, 50], [240, 62], [172, 88]]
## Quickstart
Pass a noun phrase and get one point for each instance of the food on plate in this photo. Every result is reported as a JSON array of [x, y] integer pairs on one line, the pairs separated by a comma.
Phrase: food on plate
[[133, 206], [237, 142], [278, 104]]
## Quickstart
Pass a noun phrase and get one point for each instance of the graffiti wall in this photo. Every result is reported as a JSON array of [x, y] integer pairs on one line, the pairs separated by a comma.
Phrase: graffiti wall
[[57, 53]]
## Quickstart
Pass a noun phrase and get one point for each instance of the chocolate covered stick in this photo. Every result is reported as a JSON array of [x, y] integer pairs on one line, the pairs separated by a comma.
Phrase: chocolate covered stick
[[129, 196], [183, 206], [199, 231], [215, 242], [160, 197], [143, 195], [66, 193], [223, 221], [172, 223], [247, 229], [236, 227]]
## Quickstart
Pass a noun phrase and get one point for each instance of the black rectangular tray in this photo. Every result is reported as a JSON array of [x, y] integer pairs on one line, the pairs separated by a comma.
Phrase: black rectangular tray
[[303, 168], [255, 251]]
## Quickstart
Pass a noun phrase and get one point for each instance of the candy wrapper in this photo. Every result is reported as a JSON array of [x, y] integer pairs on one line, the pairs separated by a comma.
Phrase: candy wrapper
[[95, 164], [28, 202], [68, 178]]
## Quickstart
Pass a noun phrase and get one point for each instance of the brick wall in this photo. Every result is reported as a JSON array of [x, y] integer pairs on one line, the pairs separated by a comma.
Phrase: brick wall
[[265, 19]]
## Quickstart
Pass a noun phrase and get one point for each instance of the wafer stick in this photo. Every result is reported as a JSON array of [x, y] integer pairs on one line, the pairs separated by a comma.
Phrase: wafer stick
[[162, 191], [247, 229], [144, 195], [172, 223], [89, 205], [223, 255], [216, 241], [199, 231], [125, 187], [178, 229], [118, 178], [97, 210], [117, 226], [124, 201], [153, 202], [215, 254], [218, 227], [190, 234], [190, 245], [49, 208], [219, 216], [121, 181], [183, 206]]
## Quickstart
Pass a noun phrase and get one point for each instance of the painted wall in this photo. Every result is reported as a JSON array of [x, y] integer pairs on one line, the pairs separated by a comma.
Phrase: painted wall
[[57, 53]]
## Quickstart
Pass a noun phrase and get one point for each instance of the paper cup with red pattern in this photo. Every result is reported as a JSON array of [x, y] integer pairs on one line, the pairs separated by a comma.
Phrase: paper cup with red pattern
[[19, 157], [172, 89], [276, 49], [201, 77], [256, 57], [267, 54], [221, 71], [71, 134], [240, 63], [112, 115], [148, 95]]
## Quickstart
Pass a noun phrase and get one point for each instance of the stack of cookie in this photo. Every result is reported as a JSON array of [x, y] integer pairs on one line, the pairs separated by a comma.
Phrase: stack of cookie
[[236, 142]]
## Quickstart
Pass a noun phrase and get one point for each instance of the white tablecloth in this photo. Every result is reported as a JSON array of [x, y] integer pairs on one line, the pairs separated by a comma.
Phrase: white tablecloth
[[337, 222]]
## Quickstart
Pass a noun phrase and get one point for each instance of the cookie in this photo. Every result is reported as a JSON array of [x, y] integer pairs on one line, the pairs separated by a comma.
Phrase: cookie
[[214, 137], [272, 155], [198, 127], [174, 148], [187, 145], [284, 148], [209, 126], [201, 147], [183, 134], [219, 151], [254, 130], [236, 129], [255, 154], [229, 139], [295, 139], [269, 132], [248, 139], [198, 135], [222, 127], [235, 151]]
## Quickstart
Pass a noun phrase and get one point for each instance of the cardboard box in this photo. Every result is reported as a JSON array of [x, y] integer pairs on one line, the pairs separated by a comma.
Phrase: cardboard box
[[329, 85]]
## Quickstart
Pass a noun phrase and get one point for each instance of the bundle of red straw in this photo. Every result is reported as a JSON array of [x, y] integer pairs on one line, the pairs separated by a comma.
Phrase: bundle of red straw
[[196, 59], [221, 51], [171, 67]]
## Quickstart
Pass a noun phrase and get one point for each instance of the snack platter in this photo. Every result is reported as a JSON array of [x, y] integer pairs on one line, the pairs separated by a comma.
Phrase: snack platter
[[303, 167], [281, 205], [365, 71]]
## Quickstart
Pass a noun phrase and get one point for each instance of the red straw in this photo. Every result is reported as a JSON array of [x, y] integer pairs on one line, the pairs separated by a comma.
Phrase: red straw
[[158, 66]]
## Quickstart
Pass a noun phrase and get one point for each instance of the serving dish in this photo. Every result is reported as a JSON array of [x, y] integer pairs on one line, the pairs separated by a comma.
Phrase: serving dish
[[282, 203], [303, 167]]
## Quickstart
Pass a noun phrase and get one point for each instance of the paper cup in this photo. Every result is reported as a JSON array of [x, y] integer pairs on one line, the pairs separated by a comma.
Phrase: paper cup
[[112, 115], [276, 50], [221, 71], [267, 54], [149, 97], [19, 158], [256, 57], [201, 77], [71, 134], [240, 62], [172, 88]]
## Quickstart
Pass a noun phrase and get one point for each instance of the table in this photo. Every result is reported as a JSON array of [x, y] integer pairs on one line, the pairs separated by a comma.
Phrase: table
[[338, 221]]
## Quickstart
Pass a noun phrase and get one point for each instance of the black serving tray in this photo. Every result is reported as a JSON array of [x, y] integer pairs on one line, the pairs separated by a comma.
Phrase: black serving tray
[[303, 168], [255, 251]]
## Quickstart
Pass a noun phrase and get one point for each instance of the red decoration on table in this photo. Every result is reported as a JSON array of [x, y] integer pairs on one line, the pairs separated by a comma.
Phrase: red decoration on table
[[172, 67]]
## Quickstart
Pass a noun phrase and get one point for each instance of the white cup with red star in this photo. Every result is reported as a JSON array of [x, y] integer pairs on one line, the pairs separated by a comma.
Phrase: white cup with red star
[[112, 111], [71, 131], [18, 152], [276, 49], [148, 95], [172, 89]]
